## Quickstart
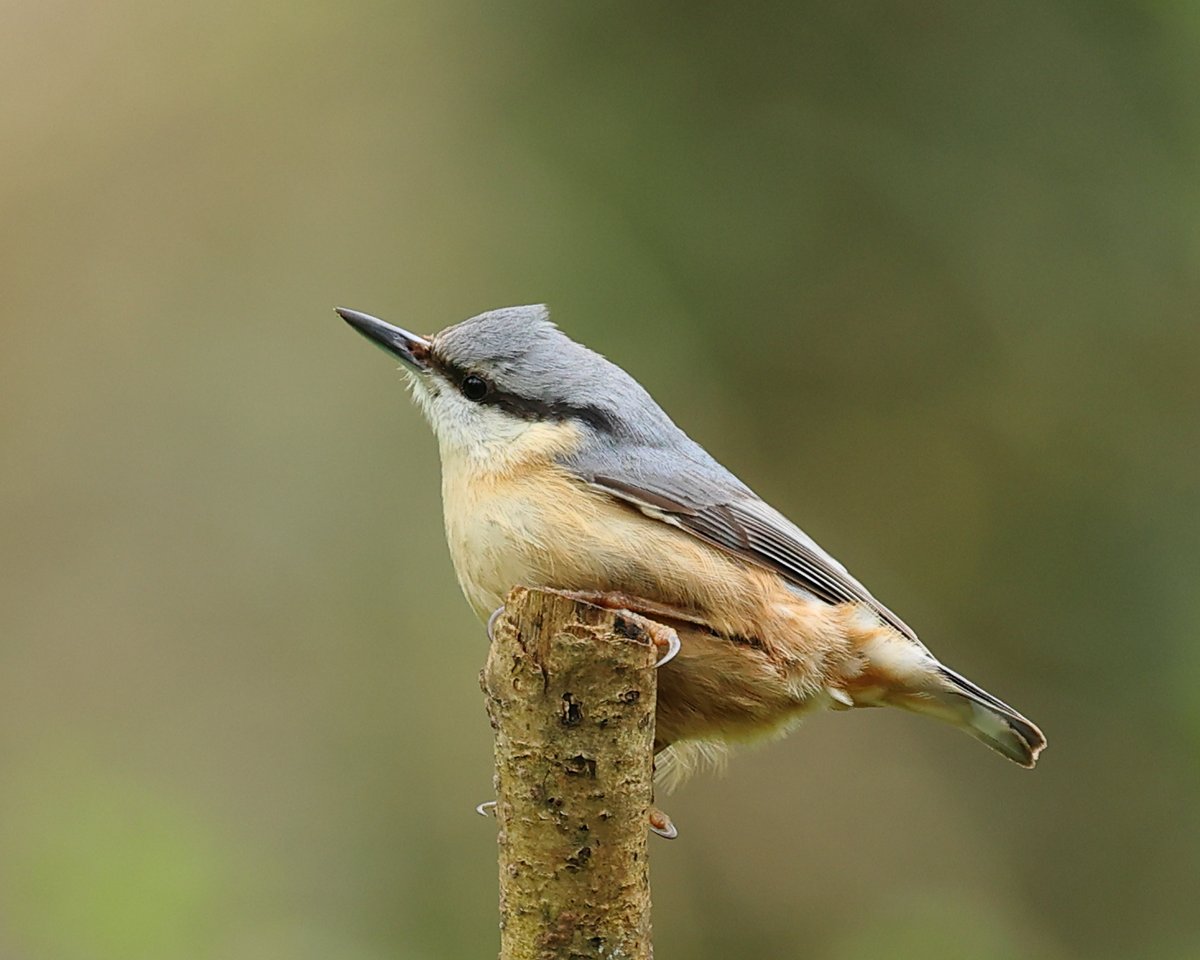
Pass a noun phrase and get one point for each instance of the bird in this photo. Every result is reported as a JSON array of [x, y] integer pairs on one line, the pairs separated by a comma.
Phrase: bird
[[559, 470]]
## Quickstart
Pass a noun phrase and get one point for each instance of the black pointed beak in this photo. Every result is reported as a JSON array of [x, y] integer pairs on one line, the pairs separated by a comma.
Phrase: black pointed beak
[[409, 347]]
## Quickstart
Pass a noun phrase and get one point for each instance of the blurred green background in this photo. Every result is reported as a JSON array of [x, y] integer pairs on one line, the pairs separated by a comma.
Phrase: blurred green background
[[924, 275]]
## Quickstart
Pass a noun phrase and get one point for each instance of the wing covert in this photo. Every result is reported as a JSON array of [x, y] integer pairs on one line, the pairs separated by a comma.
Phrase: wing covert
[[742, 524]]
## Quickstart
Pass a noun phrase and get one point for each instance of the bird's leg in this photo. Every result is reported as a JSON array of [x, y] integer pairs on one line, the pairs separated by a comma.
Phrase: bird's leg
[[637, 609], [664, 637], [615, 600]]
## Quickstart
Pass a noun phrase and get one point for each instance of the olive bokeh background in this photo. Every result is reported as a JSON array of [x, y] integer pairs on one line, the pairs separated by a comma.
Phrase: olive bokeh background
[[923, 274]]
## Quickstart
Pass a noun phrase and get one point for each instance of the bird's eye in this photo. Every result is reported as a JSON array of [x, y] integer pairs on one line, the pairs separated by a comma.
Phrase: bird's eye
[[474, 388]]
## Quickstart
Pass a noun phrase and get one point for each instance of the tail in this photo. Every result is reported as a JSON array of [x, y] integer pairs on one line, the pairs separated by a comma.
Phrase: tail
[[902, 673], [994, 722], [952, 697]]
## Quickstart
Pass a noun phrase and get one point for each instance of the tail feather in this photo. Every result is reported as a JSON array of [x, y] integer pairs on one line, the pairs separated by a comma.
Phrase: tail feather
[[956, 700], [985, 717], [903, 674], [997, 724]]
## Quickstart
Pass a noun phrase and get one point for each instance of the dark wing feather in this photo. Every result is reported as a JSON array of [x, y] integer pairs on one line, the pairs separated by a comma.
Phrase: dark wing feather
[[744, 525]]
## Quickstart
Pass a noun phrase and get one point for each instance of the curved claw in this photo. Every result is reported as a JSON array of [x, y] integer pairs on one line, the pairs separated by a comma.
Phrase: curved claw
[[661, 824], [488, 807], [491, 624], [673, 646]]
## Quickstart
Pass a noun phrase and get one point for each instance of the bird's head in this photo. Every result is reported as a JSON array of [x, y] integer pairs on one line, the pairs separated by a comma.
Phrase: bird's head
[[509, 381]]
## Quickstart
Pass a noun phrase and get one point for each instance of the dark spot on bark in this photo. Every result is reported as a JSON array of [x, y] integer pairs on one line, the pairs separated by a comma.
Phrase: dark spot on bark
[[558, 936], [627, 629], [580, 766], [631, 696], [579, 859], [572, 712]]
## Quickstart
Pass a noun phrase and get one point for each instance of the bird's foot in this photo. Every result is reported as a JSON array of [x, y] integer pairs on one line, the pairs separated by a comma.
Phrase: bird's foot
[[661, 824], [491, 624], [664, 637], [487, 808]]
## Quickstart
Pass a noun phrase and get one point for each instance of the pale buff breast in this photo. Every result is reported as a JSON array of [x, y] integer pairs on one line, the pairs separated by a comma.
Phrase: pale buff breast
[[525, 521]]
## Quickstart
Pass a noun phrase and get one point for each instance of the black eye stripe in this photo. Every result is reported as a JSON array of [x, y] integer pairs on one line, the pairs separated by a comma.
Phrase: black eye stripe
[[527, 408], [530, 409]]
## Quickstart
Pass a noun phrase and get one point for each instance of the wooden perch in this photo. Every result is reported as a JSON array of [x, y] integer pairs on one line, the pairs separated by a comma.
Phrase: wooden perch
[[571, 694]]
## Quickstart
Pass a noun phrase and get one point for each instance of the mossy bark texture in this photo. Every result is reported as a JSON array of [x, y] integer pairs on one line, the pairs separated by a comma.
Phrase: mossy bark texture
[[570, 693]]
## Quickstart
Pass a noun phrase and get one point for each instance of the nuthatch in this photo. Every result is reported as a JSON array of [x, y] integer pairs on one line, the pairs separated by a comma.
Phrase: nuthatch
[[559, 470]]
